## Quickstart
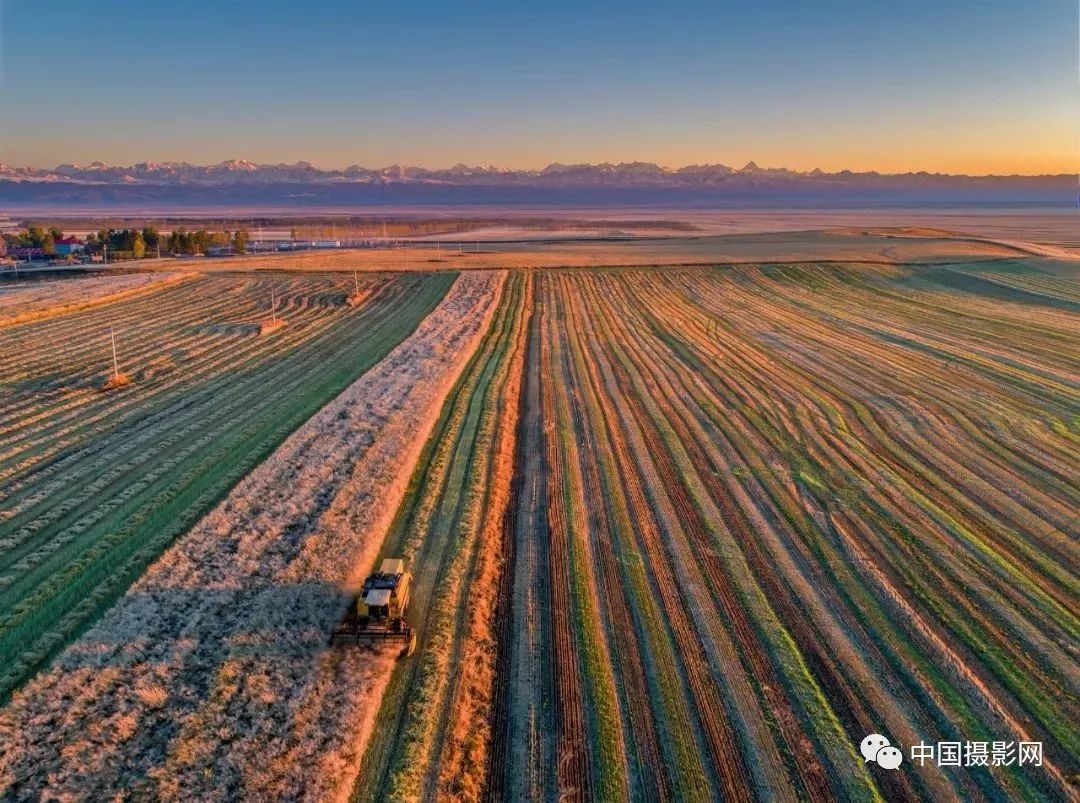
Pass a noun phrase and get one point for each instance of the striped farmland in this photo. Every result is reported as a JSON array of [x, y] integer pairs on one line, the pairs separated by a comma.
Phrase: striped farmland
[[96, 485]]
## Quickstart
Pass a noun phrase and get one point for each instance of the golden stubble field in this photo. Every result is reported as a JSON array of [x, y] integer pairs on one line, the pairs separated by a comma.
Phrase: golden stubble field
[[890, 246]]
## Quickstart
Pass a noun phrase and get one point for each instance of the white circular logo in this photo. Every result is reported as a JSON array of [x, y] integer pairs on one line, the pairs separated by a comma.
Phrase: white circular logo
[[877, 748]]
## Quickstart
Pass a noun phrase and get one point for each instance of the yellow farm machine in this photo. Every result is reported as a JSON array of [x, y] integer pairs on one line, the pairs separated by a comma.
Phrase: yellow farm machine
[[378, 614]]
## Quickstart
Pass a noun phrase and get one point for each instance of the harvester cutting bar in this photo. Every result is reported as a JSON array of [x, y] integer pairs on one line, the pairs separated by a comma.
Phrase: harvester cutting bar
[[371, 632]]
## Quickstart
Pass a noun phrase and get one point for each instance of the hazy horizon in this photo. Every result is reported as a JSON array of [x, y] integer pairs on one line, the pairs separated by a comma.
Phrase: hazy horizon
[[969, 88]]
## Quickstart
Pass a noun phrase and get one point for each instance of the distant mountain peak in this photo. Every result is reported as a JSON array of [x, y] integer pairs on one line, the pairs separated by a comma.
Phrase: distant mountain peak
[[237, 164]]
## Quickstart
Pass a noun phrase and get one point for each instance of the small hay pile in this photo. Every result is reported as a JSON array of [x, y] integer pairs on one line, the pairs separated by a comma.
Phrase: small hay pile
[[266, 327], [117, 380]]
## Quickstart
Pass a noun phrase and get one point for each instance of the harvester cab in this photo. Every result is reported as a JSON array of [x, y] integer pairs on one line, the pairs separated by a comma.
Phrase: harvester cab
[[379, 611]]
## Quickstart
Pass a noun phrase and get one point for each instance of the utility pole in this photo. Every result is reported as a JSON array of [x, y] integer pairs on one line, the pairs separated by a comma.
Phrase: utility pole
[[105, 249], [273, 305], [115, 362], [356, 282]]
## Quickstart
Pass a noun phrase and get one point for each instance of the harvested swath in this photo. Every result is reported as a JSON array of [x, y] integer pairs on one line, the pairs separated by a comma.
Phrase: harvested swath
[[96, 485], [807, 502], [211, 678], [434, 731], [35, 299]]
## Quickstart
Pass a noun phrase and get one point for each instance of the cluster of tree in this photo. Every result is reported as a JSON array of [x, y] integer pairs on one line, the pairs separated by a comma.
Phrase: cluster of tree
[[182, 241], [123, 243], [35, 237], [135, 244]]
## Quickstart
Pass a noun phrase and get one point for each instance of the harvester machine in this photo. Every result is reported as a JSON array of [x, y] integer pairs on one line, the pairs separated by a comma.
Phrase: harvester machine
[[378, 614]]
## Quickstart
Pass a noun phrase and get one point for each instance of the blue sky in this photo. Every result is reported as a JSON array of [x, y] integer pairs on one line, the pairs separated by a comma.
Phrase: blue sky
[[960, 86]]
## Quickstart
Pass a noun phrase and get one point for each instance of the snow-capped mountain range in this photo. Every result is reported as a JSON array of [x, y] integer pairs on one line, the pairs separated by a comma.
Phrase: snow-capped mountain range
[[238, 183], [626, 174]]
